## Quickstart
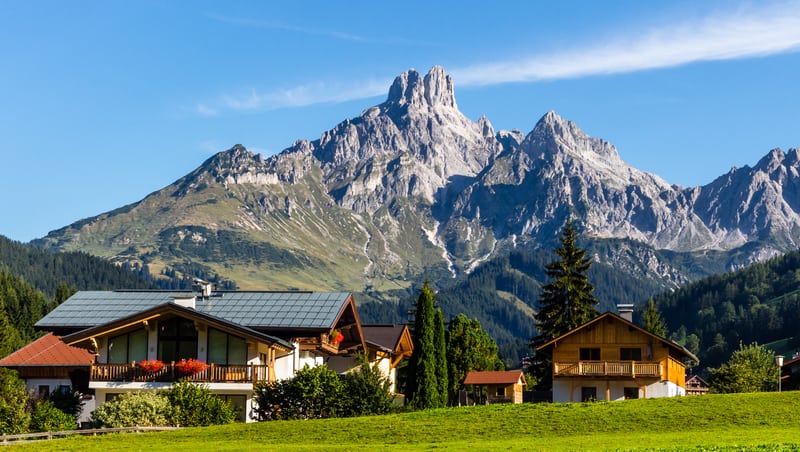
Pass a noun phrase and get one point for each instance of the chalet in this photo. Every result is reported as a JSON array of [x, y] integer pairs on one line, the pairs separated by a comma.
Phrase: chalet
[[695, 385], [240, 337], [501, 386], [610, 358]]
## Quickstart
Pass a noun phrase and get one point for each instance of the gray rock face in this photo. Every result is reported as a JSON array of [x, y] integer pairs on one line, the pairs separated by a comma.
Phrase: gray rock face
[[412, 184], [470, 189]]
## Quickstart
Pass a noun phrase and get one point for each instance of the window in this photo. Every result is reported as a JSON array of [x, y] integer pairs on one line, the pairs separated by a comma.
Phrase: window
[[588, 394], [239, 403], [177, 340], [128, 347], [630, 354], [501, 392], [226, 349], [631, 393], [44, 391], [590, 354]]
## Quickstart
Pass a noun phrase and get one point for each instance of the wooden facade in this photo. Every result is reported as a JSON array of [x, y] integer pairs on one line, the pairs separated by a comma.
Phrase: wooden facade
[[501, 386], [610, 358]]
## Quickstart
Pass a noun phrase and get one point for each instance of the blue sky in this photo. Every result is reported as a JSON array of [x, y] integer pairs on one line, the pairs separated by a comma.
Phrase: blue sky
[[105, 102]]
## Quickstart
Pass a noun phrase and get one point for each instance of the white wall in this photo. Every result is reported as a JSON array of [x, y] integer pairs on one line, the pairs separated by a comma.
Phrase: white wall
[[561, 389]]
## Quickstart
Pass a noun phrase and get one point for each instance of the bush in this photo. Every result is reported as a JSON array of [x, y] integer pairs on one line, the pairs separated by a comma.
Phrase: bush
[[318, 392], [13, 401], [750, 369], [367, 391], [315, 392], [69, 401], [146, 408], [48, 418], [195, 405]]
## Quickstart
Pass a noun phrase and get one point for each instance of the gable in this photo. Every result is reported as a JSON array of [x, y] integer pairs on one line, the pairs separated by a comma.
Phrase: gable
[[609, 330], [168, 311]]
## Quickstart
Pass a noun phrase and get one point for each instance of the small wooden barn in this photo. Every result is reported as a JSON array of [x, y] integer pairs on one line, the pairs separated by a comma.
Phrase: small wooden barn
[[501, 386]]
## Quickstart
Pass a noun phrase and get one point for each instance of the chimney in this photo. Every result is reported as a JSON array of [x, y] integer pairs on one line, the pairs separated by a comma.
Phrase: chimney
[[186, 302], [205, 287], [626, 311]]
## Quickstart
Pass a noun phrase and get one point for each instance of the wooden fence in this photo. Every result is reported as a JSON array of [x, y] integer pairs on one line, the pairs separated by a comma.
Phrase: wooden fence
[[43, 436]]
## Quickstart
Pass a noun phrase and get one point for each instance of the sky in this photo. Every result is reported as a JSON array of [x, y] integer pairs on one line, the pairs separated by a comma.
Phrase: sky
[[104, 102]]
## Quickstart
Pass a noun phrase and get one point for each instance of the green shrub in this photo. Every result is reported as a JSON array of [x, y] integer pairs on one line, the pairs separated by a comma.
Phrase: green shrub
[[13, 401], [146, 408], [47, 418], [68, 401], [367, 391], [195, 405], [315, 392], [318, 392]]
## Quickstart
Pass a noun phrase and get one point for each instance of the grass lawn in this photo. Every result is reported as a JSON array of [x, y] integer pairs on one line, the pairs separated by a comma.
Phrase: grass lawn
[[767, 421]]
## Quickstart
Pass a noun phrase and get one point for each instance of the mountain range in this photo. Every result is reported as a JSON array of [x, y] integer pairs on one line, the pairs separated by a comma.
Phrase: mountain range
[[412, 189]]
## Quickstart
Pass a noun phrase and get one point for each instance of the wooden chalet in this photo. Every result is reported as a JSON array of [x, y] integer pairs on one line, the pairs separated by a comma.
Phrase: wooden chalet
[[611, 358], [239, 337], [695, 385], [501, 386]]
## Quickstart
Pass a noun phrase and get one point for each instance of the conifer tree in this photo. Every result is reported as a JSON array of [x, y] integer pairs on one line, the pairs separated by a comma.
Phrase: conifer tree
[[567, 300], [441, 357], [422, 390], [653, 321]]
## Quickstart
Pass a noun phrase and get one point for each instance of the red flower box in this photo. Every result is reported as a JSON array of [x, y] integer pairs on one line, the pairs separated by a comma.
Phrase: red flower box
[[151, 366], [336, 337], [190, 366]]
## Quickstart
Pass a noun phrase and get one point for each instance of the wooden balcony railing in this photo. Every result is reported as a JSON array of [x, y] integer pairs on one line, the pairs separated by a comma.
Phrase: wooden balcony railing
[[234, 373], [629, 369]]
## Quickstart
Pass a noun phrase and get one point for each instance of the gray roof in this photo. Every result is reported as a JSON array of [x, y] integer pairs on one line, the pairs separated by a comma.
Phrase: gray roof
[[259, 310]]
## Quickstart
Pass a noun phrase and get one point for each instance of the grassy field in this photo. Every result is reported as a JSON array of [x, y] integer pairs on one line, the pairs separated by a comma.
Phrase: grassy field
[[769, 421]]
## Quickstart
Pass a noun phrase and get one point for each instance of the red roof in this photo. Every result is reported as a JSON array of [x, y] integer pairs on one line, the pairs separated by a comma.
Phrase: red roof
[[495, 377], [48, 350]]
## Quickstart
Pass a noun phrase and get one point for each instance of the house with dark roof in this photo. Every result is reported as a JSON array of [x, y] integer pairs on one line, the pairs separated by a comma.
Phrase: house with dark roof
[[147, 340], [611, 358]]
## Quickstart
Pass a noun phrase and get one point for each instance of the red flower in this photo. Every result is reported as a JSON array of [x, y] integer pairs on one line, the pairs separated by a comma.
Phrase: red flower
[[337, 337], [151, 365], [190, 366]]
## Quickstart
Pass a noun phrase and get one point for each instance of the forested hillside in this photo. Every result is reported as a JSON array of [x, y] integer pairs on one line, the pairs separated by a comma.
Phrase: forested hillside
[[760, 303], [32, 282], [503, 294]]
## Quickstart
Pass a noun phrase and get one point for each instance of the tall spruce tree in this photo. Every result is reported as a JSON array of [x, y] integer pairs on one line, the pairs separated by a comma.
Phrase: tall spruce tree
[[422, 389], [440, 343], [653, 321], [567, 300]]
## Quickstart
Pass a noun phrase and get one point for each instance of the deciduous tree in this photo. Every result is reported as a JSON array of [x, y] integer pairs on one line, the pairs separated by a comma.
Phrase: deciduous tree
[[751, 368], [469, 348]]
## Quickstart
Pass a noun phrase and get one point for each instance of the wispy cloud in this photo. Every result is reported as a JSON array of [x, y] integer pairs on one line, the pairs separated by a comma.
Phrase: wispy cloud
[[298, 96], [256, 23], [758, 31], [751, 32]]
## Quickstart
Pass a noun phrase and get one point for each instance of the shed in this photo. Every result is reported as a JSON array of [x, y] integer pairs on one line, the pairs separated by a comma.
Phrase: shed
[[501, 386]]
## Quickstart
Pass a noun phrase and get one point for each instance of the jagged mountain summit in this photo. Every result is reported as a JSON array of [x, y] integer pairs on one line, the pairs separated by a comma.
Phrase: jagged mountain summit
[[412, 188]]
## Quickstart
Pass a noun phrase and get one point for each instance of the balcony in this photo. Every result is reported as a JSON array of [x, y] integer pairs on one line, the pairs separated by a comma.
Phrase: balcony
[[235, 373], [624, 369]]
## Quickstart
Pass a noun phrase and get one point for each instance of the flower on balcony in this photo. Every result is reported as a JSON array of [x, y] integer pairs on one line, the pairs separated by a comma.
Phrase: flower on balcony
[[190, 366], [336, 337], [151, 366]]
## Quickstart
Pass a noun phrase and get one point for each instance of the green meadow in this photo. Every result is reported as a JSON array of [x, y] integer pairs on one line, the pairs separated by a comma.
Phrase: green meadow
[[763, 421]]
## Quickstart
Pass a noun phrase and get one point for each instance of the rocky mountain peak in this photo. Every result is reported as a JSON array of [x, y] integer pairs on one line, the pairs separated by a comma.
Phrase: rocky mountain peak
[[433, 90]]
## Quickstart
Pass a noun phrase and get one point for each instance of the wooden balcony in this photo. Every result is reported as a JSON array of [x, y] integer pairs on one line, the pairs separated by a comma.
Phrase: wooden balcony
[[244, 373], [623, 369]]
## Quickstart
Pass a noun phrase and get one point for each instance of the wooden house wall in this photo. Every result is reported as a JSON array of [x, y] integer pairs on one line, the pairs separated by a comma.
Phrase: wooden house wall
[[609, 336]]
